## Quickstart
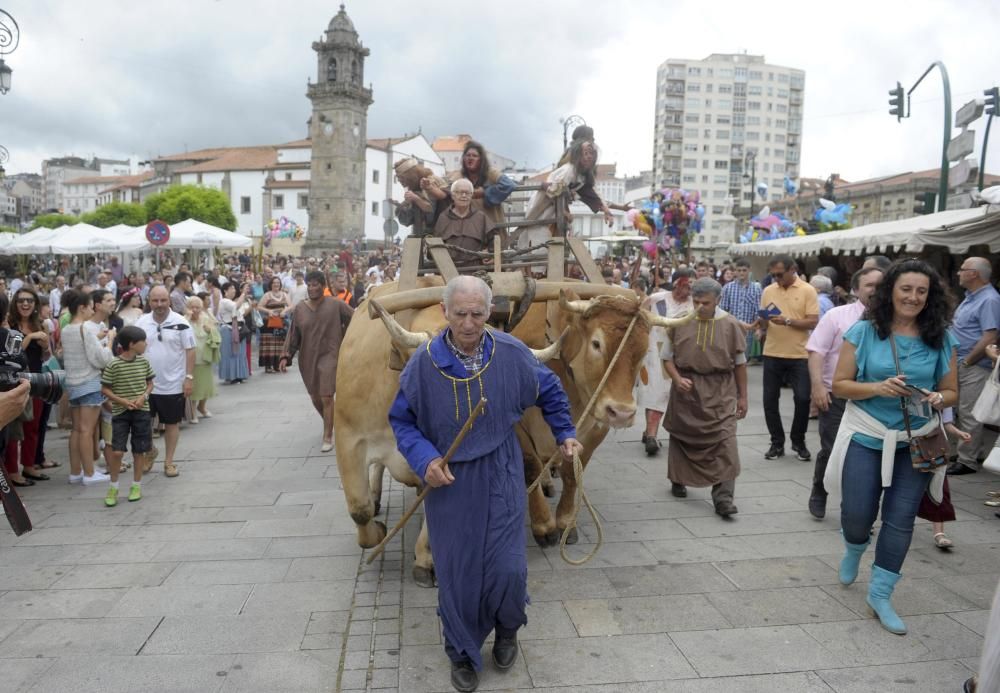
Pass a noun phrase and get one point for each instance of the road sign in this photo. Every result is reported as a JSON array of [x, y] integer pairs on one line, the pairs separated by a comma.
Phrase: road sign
[[961, 146], [390, 227], [968, 113], [959, 173], [157, 232]]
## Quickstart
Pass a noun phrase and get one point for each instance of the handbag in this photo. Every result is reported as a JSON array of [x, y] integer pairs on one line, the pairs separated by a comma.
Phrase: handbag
[[986, 410], [243, 331], [274, 322], [927, 452]]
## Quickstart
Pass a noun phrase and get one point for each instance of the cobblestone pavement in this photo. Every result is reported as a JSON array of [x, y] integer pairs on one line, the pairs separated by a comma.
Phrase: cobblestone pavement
[[243, 574]]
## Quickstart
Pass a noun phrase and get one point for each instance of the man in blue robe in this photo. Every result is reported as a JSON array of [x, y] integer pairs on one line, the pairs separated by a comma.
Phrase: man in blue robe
[[475, 515]]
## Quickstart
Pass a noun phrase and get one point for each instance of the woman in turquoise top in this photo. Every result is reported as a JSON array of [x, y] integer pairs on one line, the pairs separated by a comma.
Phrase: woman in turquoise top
[[909, 307]]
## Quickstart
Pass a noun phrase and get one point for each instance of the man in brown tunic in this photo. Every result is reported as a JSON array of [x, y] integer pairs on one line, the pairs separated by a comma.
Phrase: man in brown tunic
[[706, 361], [318, 326]]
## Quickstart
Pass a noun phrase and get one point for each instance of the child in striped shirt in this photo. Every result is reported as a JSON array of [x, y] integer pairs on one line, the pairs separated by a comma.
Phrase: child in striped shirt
[[127, 382]]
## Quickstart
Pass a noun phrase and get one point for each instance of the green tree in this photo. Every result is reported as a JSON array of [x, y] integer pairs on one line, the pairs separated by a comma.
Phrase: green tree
[[180, 202], [51, 221], [8, 229], [128, 213]]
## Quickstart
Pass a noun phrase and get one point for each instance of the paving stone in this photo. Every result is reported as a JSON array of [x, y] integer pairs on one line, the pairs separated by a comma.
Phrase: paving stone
[[228, 634], [973, 620], [741, 651], [57, 536], [646, 581], [229, 572], [977, 589], [421, 626], [974, 558], [897, 678], [636, 530], [807, 682], [322, 568], [611, 659], [780, 607], [789, 544], [632, 615], [180, 600], [212, 549], [770, 523], [547, 620], [616, 555], [38, 604], [261, 512], [861, 643], [425, 668], [329, 595], [703, 550], [286, 528], [302, 547], [553, 586], [78, 637], [778, 572], [19, 675], [14, 577], [127, 575], [32, 555], [232, 500], [190, 532], [911, 597], [655, 510], [167, 515], [327, 622]]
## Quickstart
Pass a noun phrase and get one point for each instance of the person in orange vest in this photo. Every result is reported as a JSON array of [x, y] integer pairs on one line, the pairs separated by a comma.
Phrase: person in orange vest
[[341, 291]]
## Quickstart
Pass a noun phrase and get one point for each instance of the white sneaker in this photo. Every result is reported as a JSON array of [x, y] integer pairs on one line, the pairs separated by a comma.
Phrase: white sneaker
[[75, 478], [97, 478]]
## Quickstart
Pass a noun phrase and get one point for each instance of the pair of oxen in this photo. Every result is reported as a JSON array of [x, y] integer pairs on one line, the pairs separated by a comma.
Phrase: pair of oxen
[[593, 319]]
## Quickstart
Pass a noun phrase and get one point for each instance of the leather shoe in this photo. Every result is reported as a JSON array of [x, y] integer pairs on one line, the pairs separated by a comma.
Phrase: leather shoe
[[774, 451], [802, 453], [970, 685], [958, 469], [725, 509], [817, 504], [504, 652], [463, 677], [652, 445], [678, 490]]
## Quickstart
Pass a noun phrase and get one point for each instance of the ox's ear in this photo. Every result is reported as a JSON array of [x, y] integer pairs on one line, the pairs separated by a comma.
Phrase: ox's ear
[[401, 337]]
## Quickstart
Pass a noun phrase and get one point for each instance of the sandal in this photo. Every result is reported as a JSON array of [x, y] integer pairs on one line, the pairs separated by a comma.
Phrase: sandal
[[22, 484], [170, 470], [36, 477], [993, 494], [942, 541], [48, 464], [992, 502]]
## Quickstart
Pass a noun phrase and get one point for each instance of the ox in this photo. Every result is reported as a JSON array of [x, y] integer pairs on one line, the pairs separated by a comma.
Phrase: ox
[[593, 331]]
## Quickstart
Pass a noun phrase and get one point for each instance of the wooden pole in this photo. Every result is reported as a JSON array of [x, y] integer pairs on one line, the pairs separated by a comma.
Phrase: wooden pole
[[380, 547]]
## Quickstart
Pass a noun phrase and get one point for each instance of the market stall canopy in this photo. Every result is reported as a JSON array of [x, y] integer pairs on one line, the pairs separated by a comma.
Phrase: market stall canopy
[[7, 238], [612, 238], [192, 233], [81, 239], [955, 229], [36, 242]]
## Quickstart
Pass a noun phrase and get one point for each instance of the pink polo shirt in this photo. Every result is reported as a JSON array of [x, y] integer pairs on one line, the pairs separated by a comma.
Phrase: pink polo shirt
[[828, 336]]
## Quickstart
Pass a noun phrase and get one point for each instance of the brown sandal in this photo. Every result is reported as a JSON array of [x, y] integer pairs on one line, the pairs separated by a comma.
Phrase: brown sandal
[[170, 470]]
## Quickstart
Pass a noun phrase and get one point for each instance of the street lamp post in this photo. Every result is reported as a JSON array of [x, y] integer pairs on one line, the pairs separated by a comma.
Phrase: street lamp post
[[750, 162], [4, 158], [573, 121], [10, 36]]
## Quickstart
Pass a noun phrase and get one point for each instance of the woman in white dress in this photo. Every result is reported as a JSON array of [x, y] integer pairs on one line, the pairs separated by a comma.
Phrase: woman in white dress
[[651, 386]]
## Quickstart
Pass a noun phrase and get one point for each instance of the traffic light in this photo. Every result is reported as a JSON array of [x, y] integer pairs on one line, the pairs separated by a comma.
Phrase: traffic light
[[923, 203], [992, 101], [896, 102]]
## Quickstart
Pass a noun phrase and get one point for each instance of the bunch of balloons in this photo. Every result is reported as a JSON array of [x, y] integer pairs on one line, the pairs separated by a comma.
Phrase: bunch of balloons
[[670, 218], [283, 227], [833, 217], [767, 225]]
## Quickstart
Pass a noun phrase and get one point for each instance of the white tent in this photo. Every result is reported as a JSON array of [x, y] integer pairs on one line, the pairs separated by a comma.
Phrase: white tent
[[956, 229], [81, 239], [191, 233], [35, 242]]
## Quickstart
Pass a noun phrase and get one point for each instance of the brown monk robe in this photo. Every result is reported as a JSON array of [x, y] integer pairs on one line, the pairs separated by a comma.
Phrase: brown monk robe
[[318, 327], [707, 362]]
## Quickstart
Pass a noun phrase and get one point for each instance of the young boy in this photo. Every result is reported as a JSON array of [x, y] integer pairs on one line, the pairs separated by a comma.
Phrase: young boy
[[127, 382]]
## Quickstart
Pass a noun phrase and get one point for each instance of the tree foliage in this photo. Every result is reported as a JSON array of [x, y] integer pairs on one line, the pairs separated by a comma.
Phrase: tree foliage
[[51, 221], [8, 229], [128, 213], [180, 202]]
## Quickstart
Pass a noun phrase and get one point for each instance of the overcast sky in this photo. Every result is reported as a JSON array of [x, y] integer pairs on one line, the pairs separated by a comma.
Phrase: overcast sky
[[142, 79]]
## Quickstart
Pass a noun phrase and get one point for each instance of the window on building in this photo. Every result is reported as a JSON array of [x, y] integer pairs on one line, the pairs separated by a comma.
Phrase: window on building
[[708, 133], [690, 132], [781, 108], [767, 168], [720, 180], [278, 201], [754, 90], [694, 72], [690, 147], [199, 179], [375, 208], [782, 93], [691, 117], [779, 153], [693, 86], [719, 194], [375, 175], [779, 123], [690, 163], [752, 136], [355, 72], [693, 102], [723, 120], [780, 139], [722, 149], [740, 74], [753, 105], [725, 72], [245, 205], [725, 89], [724, 104], [704, 164], [303, 201], [756, 74], [708, 87], [331, 70], [708, 103], [783, 78], [722, 134], [718, 209], [288, 176], [721, 165]]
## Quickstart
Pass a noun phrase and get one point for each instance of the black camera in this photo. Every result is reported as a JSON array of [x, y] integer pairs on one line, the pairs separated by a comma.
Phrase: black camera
[[47, 386]]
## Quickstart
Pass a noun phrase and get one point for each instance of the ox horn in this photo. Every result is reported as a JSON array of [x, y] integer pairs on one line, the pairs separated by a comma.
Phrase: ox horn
[[552, 350], [401, 336], [660, 321], [572, 306]]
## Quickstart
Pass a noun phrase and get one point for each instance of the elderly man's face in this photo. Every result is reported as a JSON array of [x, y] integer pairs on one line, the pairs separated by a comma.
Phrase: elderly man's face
[[159, 302], [462, 197], [467, 318]]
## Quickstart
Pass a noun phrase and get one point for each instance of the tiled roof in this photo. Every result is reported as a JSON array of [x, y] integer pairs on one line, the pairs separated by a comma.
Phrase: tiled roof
[[450, 143], [862, 186], [296, 144], [280, 184], [606, 171], [198, 154], [237, 159], [130, 181], [383, 142]]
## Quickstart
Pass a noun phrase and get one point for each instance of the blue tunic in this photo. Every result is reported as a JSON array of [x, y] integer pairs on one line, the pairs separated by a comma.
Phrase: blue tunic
[[477, 523]]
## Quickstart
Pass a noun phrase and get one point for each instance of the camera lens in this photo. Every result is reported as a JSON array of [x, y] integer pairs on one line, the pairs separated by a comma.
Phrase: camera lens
[[46, 386]]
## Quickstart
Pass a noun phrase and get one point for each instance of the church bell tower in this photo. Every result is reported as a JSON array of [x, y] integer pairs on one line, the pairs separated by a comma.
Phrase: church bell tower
[[338, 130]]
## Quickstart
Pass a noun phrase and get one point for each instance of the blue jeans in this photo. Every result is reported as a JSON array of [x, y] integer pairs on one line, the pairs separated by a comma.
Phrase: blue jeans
[[862, 488]]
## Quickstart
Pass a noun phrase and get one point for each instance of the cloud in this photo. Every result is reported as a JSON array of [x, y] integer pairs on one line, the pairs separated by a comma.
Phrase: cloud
[[145, 79]]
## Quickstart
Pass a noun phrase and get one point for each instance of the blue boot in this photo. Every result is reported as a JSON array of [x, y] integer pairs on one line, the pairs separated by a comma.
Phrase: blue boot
[[849, 564], [879, 592]]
